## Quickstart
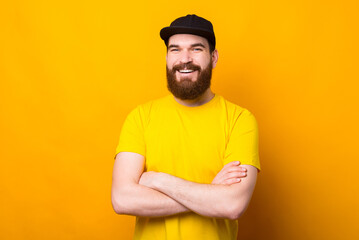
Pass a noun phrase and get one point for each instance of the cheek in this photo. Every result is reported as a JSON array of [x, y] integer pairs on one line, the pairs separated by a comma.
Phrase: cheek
[[203, 61], [169, 63], [170, 59]]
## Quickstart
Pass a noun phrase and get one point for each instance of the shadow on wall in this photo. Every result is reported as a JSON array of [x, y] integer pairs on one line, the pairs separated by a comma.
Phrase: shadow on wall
[[266, 216], [260, 221]]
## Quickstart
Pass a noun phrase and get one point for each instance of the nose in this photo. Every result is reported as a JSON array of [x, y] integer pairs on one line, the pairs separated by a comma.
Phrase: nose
[[185, 57]]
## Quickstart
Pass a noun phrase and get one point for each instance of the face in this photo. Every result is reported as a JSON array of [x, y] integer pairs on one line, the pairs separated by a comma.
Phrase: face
[[189, 65]]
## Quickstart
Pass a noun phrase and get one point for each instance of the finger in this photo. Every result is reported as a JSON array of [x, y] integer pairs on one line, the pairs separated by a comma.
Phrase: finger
[[230, 164], [229, 177], [236, 169], [235, 175], [229, 167], [232, 181]]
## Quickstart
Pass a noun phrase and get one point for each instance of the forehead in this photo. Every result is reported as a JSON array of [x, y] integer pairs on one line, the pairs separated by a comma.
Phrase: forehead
[[187, 39]]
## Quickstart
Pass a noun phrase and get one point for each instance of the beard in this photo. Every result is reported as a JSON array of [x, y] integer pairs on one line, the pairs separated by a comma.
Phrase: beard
[[186, 89]]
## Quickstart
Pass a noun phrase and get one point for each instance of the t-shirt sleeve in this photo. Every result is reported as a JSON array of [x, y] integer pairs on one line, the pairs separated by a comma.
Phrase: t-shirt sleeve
[[243, 141], [132, 134]]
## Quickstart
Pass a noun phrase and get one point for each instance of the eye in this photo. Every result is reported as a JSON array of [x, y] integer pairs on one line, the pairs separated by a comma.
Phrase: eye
[[174, 50], [197, 49]]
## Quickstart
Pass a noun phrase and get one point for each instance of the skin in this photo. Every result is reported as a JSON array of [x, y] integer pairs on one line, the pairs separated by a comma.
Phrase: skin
[[131, 198], [132, 195], [155, 194], [211, 200], [186, 48]]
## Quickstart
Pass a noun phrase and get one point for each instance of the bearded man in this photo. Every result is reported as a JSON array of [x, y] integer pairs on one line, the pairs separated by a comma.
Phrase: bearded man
[[186, 164]]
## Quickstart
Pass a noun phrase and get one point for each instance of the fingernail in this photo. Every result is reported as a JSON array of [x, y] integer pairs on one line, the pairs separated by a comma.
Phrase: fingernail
[[242, 174], [238, 179]]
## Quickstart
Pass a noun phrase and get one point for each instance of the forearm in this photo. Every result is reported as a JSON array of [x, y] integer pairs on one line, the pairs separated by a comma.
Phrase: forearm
[[135, 199], [129, 197], [210, 200], [204, 199]]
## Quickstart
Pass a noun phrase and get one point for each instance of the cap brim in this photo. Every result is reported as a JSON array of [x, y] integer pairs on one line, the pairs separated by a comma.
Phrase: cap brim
[[167, 32]]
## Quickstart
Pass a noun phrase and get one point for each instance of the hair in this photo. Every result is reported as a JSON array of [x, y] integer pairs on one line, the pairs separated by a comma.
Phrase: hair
[[211, 46], [186, 89]]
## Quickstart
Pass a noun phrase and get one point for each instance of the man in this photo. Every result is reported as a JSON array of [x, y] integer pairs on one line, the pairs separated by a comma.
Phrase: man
[[186, 164]]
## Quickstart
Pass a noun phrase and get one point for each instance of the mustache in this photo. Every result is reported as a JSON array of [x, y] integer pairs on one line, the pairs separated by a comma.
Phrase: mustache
[[189, 66]]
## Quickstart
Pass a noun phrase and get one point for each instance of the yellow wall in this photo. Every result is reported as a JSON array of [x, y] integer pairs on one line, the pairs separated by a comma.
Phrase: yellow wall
[[70, 71]]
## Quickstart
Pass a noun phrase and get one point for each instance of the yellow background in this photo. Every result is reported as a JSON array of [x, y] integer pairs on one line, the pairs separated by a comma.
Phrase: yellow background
[[70, 71]]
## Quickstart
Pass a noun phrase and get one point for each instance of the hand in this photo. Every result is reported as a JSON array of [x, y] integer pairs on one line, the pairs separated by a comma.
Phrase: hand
[[231, 173]]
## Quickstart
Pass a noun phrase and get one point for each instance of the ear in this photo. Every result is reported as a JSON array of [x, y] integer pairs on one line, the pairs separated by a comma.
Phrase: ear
[[214, 58]]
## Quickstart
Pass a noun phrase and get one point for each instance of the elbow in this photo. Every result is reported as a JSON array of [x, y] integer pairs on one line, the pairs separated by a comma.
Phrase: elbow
[[118, 204], [234, 215], [123, 200], [117, 208], [235, 212]]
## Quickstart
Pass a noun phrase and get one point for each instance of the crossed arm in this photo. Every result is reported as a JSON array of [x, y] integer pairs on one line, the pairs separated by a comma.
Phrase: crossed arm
[[155, 194]]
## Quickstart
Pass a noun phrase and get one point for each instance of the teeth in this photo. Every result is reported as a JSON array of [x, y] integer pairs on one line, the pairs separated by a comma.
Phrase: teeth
[[185, 71]]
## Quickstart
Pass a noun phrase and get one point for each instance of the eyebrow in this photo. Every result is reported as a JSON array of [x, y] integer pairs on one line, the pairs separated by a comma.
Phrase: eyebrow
[[198, 45], [192, 45], [173, 46]]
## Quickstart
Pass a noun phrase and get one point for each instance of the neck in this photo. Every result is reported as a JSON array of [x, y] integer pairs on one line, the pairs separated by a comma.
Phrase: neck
[[203, 99]]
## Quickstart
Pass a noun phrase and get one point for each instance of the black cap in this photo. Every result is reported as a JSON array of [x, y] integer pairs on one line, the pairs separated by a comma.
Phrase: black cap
[[190, 24]]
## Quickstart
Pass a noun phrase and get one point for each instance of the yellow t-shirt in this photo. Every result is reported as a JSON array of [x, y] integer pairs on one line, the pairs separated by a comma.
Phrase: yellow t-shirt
[[192, 143]]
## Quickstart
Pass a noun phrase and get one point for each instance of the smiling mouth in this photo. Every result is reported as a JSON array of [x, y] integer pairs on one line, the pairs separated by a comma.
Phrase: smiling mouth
[[186, 71]]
